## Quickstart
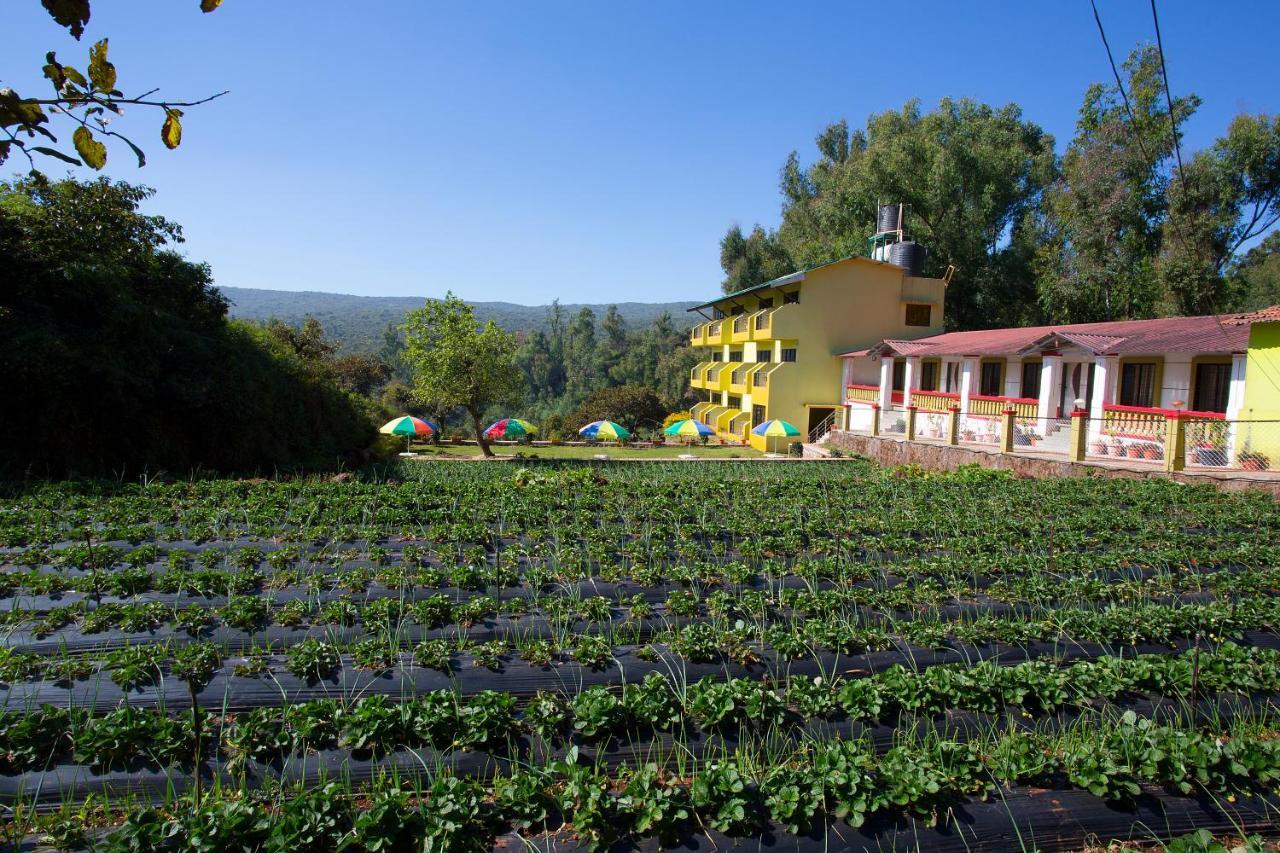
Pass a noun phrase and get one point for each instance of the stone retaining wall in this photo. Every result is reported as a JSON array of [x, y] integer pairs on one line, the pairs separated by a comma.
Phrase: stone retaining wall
[[941, 457]]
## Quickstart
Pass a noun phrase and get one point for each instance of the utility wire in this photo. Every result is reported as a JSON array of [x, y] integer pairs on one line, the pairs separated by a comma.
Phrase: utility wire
[[1168, 98]]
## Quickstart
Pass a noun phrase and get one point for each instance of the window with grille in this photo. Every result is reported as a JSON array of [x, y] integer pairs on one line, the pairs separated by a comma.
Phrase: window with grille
[[792, 298], [735, 355], [715, 356], [737, 377], [789, 354], [757, 416], [919, 315], [1138, 384], [759, 379], [1213, 384], [764, 355]]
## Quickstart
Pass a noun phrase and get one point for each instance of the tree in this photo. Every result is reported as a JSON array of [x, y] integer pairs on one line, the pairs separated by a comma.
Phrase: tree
[[86, 100], [1255, 277], [629, 405], [116, 354], [970, 175], [359, 373], [753, 259], [458, 364]]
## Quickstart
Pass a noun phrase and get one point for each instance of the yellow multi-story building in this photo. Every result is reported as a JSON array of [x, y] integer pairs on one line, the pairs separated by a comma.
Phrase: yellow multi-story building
[[773, 350]]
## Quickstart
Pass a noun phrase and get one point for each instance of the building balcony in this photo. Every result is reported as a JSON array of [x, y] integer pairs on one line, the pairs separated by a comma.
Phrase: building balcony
[[739, 329], [981, 405], [762, 324], [866, 394], [718, 333], [698, 335]]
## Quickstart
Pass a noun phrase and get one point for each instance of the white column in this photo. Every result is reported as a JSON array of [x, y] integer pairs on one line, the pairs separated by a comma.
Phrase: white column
[[886, 382], [1050, 385], [1235, 401], [910, 378], [1013, 377], [1104, 389], [968, 380]]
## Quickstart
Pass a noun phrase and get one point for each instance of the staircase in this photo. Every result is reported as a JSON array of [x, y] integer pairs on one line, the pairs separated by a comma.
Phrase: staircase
[[819, 433]]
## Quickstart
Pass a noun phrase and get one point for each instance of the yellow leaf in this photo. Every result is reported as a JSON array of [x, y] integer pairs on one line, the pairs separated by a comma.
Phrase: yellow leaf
[[209, 5], [101, 72], [93, 152], [171, 132]]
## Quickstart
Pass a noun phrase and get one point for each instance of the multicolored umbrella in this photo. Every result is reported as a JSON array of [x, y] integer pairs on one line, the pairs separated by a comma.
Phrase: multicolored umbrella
[[690, 428], [776, 428], [605, 430], [408, 426], [510, 428]]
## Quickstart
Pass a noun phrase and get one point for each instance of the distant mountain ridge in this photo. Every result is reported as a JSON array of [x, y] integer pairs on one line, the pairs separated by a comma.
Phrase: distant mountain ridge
[[358, 322]]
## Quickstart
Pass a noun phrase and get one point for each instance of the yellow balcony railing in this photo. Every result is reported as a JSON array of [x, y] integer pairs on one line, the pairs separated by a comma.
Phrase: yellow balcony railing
[[994, 406], [717, 332], [762, 325], [740, 330], [862, 394], [934, 401], [1135, 422], [698, 335]]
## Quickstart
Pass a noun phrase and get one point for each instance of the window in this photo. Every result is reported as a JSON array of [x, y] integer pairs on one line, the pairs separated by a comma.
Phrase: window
[[792, 298], [759, 379], [953, 377], [740, 324], [765, 304], [928, 376], [991, 379], [715, 356], [899, 374], [735, 355], [737, 377], [1031, 379], [918, 315], [757, 416], [762, 321], [1213, 382], [736, 310], [735, 402], [789, 354], [713, 329], [1138, 384], [764, 355], [718, 314]]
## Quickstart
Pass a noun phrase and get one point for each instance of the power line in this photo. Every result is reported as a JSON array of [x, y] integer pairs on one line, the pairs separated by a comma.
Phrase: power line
[[1168, 98]]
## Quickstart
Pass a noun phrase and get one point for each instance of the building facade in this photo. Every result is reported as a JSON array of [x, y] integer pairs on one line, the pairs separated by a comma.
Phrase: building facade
[[772, 351]]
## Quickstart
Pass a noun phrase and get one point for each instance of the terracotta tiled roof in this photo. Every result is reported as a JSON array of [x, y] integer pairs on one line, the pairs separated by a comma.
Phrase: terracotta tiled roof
[[1265, 315], [1208, 334]]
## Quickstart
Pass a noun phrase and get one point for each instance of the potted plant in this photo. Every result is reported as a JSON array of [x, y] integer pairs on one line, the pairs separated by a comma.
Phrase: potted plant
[[968, 435], [1251, 460], [1134, 450], [1152, 451]]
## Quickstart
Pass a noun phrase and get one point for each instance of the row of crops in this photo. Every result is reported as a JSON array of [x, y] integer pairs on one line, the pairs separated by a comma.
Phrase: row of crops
[[802, 656]]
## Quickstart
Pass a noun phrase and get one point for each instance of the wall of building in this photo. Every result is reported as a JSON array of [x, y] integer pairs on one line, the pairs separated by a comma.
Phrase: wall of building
[[1262, 392]]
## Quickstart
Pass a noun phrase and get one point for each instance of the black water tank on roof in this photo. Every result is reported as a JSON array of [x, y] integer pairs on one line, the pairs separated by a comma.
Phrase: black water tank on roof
[[888, 218], [909, 255]]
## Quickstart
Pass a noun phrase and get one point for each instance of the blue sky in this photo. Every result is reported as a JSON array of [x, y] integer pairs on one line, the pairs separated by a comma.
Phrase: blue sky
[[590, 151]]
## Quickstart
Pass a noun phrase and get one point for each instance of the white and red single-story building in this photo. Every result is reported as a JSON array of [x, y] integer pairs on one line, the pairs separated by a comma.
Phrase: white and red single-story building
[[1128, 374]]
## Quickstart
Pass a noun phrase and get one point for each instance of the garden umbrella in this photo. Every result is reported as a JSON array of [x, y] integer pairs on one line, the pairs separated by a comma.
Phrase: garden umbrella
[[510, 428], [776, 429], [605, 429], [690, 428], [408, 426]]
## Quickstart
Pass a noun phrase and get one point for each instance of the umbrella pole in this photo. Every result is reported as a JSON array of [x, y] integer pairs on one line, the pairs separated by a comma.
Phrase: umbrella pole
[[406, 444]]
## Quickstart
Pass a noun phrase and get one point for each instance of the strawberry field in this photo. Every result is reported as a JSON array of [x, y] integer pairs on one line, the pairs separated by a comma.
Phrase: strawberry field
[[803, 656]]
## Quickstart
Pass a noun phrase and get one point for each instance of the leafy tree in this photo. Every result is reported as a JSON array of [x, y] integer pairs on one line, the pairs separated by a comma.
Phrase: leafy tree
[[458, 364], [1255, 277], [630, 405], [752, 259], [1105, 214], [116, 354], [86, 101], [971, 175], [360, 373]]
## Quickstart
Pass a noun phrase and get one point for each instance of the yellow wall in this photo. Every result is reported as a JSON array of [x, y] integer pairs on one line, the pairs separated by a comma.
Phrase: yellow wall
[[843, 306], [1262, 392]]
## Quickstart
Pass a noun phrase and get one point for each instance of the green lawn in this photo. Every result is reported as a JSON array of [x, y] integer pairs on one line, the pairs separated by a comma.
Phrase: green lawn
[[671, 451]]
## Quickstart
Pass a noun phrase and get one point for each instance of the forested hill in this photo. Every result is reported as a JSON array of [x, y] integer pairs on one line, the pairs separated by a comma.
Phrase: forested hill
[[360, 321]]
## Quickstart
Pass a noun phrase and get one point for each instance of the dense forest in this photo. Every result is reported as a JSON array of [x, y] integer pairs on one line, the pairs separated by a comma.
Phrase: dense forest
[[358, 323], [1124, 224]]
